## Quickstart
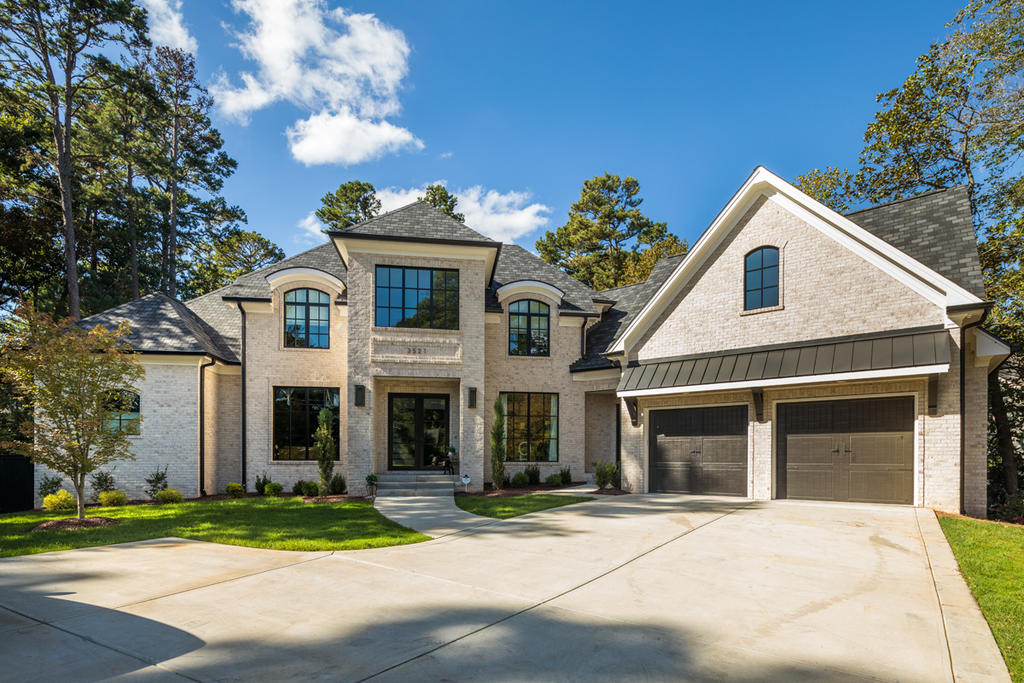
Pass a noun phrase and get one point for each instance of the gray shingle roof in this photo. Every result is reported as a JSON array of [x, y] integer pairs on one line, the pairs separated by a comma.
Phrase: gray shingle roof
[[222, 316], [160, 324], [516, 263], [418, 220], [255, 285], [934, 228], [905, 349]]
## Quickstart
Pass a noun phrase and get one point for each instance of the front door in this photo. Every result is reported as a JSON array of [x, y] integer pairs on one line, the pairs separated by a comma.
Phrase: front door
[[417, 431]]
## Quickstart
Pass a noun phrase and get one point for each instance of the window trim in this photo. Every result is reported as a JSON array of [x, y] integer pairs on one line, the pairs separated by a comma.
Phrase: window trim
[[746, 275], [306, 304], [432, 269], [304, 461], [557, 438], [529, 329]]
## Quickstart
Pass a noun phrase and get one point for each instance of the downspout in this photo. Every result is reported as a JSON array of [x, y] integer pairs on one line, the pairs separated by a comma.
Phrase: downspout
[[963, 377], [242, 312], [202, 425]]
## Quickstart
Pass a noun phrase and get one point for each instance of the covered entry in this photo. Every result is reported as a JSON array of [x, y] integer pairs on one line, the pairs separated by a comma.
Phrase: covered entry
[[699, 450], [853, 450]]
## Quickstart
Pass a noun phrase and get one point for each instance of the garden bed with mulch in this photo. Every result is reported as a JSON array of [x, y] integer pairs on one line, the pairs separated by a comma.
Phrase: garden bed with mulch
[[72, 523]]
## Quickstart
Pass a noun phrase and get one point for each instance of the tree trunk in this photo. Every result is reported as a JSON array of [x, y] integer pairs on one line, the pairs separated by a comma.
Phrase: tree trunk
[[70, 243], [79, 482], [1004, 439], [132, 235], [172, 236]]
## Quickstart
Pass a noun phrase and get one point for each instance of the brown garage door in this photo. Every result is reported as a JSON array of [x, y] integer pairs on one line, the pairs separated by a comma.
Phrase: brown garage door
[[860, 450], [699, 450]]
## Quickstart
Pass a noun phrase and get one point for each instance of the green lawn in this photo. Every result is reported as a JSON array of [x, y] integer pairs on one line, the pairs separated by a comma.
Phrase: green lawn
[[513, 506], [280, 523], [991, 557]]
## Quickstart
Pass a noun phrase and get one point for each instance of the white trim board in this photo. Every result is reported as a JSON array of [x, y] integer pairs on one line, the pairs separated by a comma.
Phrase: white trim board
[[285, 275]]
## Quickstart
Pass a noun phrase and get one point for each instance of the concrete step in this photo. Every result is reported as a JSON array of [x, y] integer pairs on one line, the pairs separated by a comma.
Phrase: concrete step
[[392, 484], [407, 477], [395, 493]]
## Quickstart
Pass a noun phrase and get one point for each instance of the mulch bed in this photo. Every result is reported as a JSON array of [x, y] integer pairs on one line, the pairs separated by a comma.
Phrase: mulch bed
[[72, 523], [329, 499]]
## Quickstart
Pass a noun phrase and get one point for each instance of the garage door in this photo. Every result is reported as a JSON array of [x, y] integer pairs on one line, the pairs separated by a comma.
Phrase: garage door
[[860, 450], [699, 450]]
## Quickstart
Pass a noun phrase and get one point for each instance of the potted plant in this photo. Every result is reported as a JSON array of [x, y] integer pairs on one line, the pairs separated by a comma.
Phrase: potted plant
[[371, 483]]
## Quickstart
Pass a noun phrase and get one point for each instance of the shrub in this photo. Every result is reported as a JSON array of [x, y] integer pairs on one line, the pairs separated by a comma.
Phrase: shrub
[[605, 474], [100, 482], [533, 474], [338, 485], [323, 437], [49, 485], [61, 501], [553, 480], [297, 487], [520, 480], [506, 481], [235, 490], [565, 474], [156, 482], [617, 476], [272, 489], [261, 483], [499, 479], [169, 496], [310, 489], [1010, 511], [371, 479], [115, 498]]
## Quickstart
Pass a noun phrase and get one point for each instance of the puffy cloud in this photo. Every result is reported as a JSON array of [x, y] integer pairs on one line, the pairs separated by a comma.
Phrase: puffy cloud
[[311, 230], [344, 68], [167, 25]]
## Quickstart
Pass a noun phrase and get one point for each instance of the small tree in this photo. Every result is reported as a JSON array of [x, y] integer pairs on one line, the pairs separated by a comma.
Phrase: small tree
[[77, 380], [498, 445], [324, 439]]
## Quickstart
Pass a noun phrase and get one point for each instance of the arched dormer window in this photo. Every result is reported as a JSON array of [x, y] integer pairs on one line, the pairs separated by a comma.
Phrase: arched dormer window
[[307, 319], [761, 279], [529, 324]]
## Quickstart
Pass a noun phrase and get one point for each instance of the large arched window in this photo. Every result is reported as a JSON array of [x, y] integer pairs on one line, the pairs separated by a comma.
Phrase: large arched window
[[307, 319], [529, 328], [761, 279]]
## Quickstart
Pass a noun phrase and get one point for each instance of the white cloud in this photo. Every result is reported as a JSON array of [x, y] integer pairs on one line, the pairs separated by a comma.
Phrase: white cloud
[[167, 25], [310, 230], [446, 155], [342, 67], [504, 216]]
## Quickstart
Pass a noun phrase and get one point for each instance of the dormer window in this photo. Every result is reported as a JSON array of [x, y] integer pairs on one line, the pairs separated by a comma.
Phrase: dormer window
[[307, 319], [529, 325], [761, 279]]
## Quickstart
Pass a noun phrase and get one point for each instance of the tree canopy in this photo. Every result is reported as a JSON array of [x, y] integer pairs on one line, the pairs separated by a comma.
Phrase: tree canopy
[[351, 203], [444, 201]]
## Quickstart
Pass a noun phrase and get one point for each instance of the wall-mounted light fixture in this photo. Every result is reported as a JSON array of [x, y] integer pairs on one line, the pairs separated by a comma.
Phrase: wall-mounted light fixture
[[360, 395], [472, 398]]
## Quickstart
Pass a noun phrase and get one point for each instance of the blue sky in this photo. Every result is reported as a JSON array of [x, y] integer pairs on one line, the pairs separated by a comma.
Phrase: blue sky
[[515, 104]]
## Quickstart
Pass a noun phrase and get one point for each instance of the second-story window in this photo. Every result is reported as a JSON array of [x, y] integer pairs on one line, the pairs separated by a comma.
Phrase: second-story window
[[307, 319], [417, 297], [761, 279], [528, 328]]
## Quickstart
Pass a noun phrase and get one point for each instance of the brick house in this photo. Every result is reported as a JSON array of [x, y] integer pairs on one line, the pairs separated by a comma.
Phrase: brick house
[[793, 353]]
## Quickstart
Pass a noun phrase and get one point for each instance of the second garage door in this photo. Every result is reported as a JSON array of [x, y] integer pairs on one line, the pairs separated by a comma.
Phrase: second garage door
[[858, 450], [699, 450]]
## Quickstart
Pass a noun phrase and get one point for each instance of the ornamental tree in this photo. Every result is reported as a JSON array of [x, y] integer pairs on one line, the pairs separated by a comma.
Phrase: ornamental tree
[[76, 379], [323, 437]]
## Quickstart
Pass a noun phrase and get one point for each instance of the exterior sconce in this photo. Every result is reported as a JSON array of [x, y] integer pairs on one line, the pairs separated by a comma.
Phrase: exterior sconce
[[472, 398], [360, 395]]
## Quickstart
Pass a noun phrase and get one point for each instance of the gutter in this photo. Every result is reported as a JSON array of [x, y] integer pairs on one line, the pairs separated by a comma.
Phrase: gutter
[[241, 310], [202, 424], [963, 408]]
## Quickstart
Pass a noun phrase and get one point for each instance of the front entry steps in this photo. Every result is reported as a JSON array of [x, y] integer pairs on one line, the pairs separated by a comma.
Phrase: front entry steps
[[414, 483]]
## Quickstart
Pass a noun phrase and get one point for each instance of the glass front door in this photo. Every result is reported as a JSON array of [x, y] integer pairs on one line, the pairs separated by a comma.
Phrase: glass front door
[[417, 431]]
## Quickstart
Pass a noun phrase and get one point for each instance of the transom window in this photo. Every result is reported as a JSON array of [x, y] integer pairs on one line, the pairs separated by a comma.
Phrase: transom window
[[528, 328], [123, 412], [307, 319], [417, 297], [531, 426], [761, 280], [296, 417]]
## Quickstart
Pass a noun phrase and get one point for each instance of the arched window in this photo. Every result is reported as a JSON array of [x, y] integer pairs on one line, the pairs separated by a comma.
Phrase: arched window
[[528, 328], [761, 279], [307, 319]]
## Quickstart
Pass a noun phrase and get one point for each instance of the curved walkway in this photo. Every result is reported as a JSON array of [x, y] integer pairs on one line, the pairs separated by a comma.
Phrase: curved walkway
[[434, 516]]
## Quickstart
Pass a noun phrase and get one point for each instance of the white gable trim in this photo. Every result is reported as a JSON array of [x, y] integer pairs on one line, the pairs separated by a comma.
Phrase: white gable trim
[[285, 275], [932, 286], [529, 287]]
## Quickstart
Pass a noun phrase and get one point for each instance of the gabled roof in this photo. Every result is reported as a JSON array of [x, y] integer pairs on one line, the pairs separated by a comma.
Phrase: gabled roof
[[254, 285], [515, 263], [934, 228], [416, 221], [160, 324]]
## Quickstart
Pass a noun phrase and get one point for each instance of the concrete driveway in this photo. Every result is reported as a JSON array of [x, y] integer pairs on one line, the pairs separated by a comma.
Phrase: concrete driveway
[[630, 588]]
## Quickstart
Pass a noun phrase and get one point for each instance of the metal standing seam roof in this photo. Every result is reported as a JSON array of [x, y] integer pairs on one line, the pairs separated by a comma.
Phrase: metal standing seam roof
[[902, 349]]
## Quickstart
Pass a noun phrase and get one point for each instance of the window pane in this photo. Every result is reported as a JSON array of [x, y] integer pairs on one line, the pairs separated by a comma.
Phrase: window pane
[[770, 297], [770, 276], [754, 279], [754, 259], [753, 300], [771, 256]]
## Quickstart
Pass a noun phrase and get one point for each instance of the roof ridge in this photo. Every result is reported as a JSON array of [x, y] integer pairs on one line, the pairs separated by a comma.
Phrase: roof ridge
[[371, 219], [906, 199]]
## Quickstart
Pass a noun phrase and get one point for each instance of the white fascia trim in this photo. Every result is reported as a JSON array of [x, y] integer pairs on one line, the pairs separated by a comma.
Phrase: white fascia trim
[[529, 287], [987, 345], [285, 275], [594, 375], [942, 291], [787, 381]]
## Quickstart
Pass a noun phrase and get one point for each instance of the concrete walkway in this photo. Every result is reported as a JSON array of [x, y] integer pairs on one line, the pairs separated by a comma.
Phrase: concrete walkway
[[624, 588], [434, 516]]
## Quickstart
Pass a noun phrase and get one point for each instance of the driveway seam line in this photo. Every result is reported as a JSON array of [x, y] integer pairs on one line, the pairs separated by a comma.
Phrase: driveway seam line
[[938, 598], [545, 601], [87, 639]]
